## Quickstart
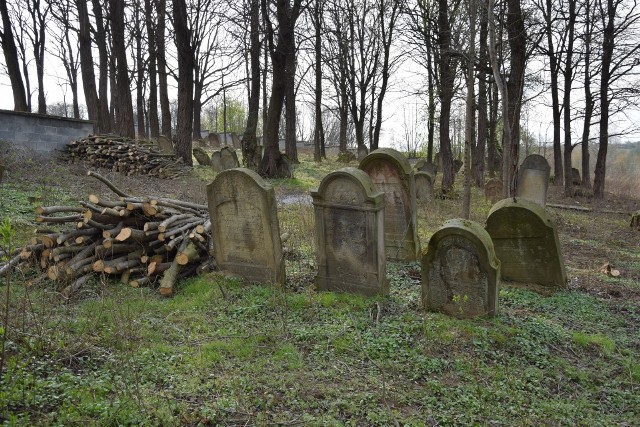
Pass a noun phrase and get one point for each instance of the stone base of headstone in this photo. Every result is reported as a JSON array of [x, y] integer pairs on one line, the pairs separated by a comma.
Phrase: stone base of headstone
[[460, 271]]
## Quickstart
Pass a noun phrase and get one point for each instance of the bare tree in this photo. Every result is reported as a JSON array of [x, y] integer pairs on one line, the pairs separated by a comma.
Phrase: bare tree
[[124, 106], [10, 51], [86, 64], [185, 81]]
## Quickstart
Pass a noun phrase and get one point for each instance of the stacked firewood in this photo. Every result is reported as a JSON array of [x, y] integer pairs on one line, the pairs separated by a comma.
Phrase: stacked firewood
[[142, 240], [126, 156]]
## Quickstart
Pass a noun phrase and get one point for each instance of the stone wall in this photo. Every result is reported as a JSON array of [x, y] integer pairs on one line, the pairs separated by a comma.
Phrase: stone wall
[[41, 132]]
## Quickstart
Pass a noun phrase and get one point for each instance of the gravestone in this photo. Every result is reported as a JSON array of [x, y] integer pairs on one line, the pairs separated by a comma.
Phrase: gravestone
[[460, 271], [423, 165], [493, 190], [533, 179], [214, 140], [1, 171], [635, 216], [225, 158], [391, 174], [576, 179], [201, 156], [526, 243], [165, 145], [235, 141], [363, 151], [424, 186], [350, 234], [244, 226]]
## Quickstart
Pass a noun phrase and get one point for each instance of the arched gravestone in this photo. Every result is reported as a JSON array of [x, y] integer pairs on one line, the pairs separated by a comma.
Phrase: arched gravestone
[[244, 226], [235, 141], [350, 234], [533, 179], [214, 140], [225, 158], [424, 186], [423, 165], [526, 243], [165, 145], [460, 271], [391, 174], [493, 190]]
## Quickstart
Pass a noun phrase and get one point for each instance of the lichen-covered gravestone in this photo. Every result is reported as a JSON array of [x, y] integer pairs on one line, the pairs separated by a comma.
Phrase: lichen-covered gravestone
[[533, 179], [244, 226], [460, 271], [526, 243], [423, 165], [201, 156], [165, 145], [391, 174], [225, 158], [350, 234], [493, 190], [214, 140], [424, 186]]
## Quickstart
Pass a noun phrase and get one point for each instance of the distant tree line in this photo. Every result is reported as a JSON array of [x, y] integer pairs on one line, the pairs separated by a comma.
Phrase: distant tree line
[[480, 59]]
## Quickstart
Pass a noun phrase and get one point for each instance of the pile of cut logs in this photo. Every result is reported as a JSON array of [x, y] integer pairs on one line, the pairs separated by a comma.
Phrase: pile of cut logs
[[144, 241], [126, 156]]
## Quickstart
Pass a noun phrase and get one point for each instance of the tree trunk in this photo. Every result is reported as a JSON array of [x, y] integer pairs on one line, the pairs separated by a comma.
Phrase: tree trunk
[[249, 140], [86, 65], [447, 77], [605, 77], [185, 82], [140, 67], [479, 155], [588, 99], [317, 134], [154, 123], [566, 102], [290, 106], [165, 108], [470, 111], [123, 88], [104, 118], [11, 60], [554, 69]]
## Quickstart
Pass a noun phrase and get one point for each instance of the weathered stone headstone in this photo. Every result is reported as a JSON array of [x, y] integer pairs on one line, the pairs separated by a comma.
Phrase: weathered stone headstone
[[635, 216], [460, 271], [165, 145], [576, 179], [244, 226], [346, 157], [424, 186], [363, 152], [391, 174], [214, 140], [493, 190], [201, 156], [235, 141], [526, 243], [225, 158], [1, 171], [533, 179], [423, 165], [350, 234]]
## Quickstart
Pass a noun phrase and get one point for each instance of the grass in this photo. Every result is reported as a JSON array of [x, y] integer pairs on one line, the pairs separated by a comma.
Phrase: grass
[[225, 352]]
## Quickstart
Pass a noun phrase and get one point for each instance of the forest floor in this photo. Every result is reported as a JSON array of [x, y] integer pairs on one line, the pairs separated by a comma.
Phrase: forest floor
[[226, 352]]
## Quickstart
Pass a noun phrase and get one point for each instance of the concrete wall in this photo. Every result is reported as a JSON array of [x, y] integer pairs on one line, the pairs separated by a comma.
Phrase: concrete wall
[[41, 132]]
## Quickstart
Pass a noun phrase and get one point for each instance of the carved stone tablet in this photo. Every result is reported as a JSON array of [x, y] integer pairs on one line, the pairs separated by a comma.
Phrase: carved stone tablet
[[533, 179], [165, 145], [349, 234], [214, 140], [424, 186], [244, 226], [493, 190], [391, 174], [460, 271], [526, 243]]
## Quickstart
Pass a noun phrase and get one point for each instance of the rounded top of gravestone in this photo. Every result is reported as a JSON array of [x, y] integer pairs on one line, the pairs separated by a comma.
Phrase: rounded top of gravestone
[[535, 161], [388, 154], [518, 203], [423, 174], [470, 230], [241, 174], [354, 175]]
